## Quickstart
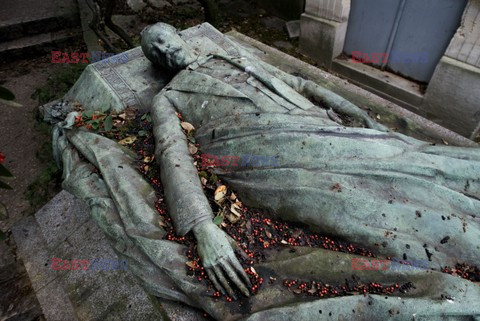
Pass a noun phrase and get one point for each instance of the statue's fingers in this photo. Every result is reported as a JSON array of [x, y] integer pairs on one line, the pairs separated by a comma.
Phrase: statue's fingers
[[223, 281], [237, 248], [240, 271], [213, 278], [227, 267]]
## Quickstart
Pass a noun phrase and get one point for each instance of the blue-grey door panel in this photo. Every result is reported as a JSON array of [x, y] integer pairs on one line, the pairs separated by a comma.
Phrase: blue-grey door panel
[[414, 33], [370, 25], [423, 35]]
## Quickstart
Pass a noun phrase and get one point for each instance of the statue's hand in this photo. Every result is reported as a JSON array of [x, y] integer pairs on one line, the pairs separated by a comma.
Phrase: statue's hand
[[370, 123], [218, 258]]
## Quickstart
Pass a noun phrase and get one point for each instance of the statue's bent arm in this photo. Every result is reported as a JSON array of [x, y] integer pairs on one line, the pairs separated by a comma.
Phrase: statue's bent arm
[[336, 102], [309, 89], [187, 203]]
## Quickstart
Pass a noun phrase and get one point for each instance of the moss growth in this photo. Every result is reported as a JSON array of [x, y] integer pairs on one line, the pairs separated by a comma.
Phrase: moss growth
[[48, 182], [43, 188], [59, 83]]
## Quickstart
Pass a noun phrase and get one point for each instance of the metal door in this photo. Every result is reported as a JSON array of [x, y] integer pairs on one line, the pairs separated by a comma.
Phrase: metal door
[[407, 37]]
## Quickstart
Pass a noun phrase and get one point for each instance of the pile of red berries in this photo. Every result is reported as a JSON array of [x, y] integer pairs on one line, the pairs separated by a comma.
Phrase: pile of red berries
[[319, 289], [254, 232], [465, 271]]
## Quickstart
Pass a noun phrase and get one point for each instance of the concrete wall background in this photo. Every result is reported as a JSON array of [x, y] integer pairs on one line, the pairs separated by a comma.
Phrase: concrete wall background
[[452, 97]]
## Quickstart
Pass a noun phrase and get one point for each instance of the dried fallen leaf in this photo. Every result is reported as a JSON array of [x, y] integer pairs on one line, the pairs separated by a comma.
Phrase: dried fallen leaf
[[128, 140], [378, 116], [203, 180], [118, 123], [233, 197], [148, 159], [283, 242], [130, 113], [220, 193], [269, 235], [234, 208], [232, 218], [248, 226], [190, 264], [444, 141], [187, 126], [192, 148], [253, 271], [296, 233], [161, 222]]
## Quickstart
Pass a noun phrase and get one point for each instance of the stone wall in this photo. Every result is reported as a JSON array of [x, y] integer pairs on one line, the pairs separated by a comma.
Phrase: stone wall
[[453, 94], [452, 98]]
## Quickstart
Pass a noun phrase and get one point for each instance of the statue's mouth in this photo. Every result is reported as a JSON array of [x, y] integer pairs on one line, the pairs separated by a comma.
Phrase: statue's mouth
[[174, 52]]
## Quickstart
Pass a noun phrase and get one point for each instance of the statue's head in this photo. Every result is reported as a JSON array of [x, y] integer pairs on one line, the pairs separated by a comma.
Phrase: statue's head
[[162, 45]]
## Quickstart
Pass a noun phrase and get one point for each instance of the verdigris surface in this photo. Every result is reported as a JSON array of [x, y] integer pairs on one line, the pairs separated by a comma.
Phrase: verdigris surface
[[365, 185]]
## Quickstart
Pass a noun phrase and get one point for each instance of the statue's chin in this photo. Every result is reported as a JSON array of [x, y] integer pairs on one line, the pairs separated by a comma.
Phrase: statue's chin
[[179, 62]]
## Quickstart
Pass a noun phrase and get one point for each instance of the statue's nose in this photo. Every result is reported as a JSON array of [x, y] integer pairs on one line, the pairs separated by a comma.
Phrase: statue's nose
[[159, 47]]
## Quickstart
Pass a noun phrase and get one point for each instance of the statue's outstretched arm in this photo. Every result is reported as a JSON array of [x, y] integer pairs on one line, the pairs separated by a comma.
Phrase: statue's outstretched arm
[[187, 203], [310, 89], [330, 99]]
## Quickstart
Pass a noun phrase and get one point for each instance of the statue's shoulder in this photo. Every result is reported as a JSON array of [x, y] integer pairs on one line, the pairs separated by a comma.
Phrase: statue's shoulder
[[206, 39], [195, 82]]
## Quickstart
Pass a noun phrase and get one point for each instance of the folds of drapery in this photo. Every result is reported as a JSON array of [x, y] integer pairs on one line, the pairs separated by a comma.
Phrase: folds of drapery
[[121, 202], [397, 195]]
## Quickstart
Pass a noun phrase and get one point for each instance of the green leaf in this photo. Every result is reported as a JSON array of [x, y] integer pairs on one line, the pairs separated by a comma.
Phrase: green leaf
[[218, 220], [104, 108], [3, 236], [108, 123], [4, 172], [95, 125], [6, 94], [214, 179], [3, 212], [203, 174], [88, 114], [148, 118], [4, 185], [142, 133]]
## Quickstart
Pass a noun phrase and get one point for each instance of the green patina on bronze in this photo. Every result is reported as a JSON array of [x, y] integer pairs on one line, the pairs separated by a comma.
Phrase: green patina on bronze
[[363, 185]]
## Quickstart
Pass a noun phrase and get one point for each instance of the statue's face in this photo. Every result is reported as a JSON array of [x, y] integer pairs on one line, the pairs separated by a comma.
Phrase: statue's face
[[164, 48]]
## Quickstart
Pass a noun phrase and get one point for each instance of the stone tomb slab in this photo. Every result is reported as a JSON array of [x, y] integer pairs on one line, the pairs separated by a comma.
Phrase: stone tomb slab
[[63, 229]]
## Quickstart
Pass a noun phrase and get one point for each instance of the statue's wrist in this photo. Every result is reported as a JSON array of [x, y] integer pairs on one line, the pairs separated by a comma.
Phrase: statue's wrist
[[202, 227]]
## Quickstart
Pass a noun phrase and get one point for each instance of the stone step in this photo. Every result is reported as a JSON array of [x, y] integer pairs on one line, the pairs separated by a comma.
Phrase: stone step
[[63, 229], [23, 18], [37, 44]]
